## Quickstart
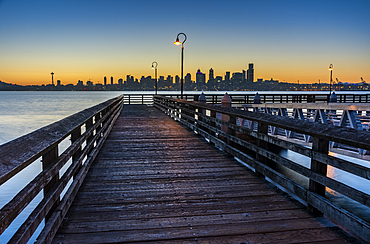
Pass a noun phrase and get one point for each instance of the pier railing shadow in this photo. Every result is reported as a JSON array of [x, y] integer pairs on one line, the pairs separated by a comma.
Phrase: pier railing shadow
[[259, 150], [87, 131]]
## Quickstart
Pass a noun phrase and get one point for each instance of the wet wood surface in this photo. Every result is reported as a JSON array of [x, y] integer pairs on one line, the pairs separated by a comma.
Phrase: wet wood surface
[[155, 181]]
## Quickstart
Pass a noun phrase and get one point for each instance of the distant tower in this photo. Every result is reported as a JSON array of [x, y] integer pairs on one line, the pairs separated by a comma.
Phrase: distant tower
[[105, 80], [200, 78], [227, 76], [250, 73], [211, 75], [111, 80], [52, 78]]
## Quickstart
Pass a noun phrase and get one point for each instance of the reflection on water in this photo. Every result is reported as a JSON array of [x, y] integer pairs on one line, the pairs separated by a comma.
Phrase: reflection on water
[[337, 174]]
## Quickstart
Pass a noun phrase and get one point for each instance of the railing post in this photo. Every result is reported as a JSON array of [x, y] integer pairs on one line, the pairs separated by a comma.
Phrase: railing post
[[212, 123], [318, 145], [226, 102], [230, 131], [74, 137], [97, 118], [48, 159], [202, 98], [263, 129]]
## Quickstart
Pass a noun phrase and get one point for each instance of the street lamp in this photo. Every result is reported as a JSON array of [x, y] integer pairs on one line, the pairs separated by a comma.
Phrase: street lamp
[[155, 68], [331, 77], [177, 42]]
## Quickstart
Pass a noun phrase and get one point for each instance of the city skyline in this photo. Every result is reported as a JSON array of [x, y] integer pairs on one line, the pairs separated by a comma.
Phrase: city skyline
[[87, 40]]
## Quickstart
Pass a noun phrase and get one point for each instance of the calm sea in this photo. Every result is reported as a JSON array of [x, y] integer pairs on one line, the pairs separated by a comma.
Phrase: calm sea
[[24, 112]]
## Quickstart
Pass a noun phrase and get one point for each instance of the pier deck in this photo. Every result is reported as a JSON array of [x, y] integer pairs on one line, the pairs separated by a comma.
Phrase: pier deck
[[155, 181]]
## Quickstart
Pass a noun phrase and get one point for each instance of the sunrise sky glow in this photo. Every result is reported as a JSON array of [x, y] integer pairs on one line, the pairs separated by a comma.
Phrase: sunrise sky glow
[[82, 40]]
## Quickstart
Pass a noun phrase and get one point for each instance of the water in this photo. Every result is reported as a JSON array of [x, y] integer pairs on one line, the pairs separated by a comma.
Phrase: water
[[24, 112]]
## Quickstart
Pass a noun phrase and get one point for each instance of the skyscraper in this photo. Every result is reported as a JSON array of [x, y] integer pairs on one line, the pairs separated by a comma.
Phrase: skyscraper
[[200, 78], [250, 73], [105, 80], [211, 76], [188, 79], [227, 76], [111, 80]]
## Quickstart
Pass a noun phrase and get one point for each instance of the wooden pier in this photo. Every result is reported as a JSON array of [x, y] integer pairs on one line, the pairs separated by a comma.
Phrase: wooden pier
[[155, 181], [179, 171]]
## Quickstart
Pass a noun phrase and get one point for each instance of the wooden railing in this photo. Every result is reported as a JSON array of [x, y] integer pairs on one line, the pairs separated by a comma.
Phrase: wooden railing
[[87, 131], [248, 99], [258, 149], [353, 115]]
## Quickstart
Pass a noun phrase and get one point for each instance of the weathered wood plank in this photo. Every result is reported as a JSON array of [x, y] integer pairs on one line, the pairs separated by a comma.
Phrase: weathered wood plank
[[222, 231], [175, 191]]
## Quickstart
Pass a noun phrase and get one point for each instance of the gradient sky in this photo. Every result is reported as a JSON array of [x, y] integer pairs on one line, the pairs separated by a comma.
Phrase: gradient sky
[[89, 39]]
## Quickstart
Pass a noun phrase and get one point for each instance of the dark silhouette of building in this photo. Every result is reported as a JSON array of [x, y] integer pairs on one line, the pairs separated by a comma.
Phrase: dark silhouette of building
[[200, 80], [105, 80], [169, 81], [161, 82], [188, 79], [120, 81], [211, 75], [250, 73], [111, 80], [227, 76]]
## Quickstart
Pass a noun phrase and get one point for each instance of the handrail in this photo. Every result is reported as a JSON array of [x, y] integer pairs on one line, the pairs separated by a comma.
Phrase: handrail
[[240, 98], [257, 148], [21, 152]]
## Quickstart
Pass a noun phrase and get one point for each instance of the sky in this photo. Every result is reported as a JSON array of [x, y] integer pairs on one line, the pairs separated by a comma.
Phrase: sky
[[89, 39]]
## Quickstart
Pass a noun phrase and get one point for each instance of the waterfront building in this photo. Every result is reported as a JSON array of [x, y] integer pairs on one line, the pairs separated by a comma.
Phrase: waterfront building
[[105, 80], [111, 80]]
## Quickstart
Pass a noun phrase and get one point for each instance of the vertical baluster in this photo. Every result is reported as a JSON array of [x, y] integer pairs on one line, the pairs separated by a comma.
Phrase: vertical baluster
[[262, 128], [318, 145], [74, 137], [48, 159], [97, 118]]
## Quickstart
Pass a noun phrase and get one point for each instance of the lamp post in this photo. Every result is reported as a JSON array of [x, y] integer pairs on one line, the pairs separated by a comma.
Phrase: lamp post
[[331, 77], [155, 72], [177, 42]]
